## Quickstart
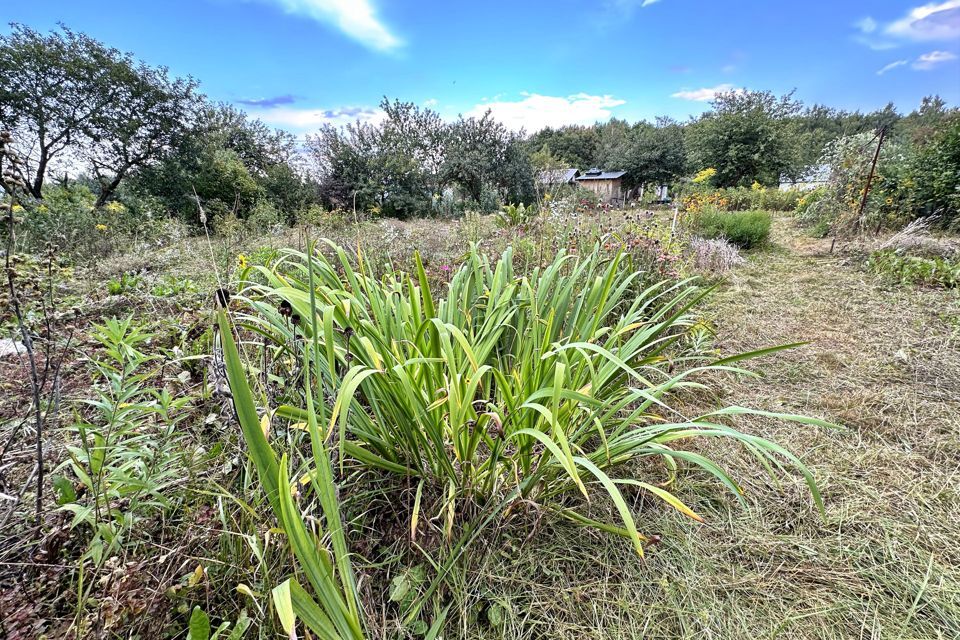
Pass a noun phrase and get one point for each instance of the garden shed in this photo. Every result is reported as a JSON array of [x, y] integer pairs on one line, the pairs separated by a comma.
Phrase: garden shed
[[608, 185]]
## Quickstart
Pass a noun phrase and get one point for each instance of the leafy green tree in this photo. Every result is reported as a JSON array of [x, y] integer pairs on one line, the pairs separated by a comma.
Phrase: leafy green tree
[[576, 146], [745, 138], [487, 162], [649, 153], [146, 123], [393, 166], [231, 162], [52, 89], [76, 103]]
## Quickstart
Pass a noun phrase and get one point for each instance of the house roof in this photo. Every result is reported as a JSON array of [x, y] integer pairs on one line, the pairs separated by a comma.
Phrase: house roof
[[597, 174], [558, 176]]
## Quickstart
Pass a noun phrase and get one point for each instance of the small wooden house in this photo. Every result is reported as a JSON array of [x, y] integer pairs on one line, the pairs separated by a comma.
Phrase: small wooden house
[[608, 185]]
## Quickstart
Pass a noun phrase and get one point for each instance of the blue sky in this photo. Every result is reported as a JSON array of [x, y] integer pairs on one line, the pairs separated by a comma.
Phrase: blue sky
[[299, 64]]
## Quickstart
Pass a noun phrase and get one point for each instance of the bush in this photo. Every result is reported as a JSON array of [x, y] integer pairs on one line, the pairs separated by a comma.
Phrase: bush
[[264, 216], [746, 229]]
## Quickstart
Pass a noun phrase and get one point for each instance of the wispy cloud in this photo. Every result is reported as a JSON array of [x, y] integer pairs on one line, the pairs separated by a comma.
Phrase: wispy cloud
[[534, 112], [892, 66], [866, 25], [301, 121], [357, 19], [267, 102], [933, 59], [926, 62], [647, 3], [706, 94], [935, 21]]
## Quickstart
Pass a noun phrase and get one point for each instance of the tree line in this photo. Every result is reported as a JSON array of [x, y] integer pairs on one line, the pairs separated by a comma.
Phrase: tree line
[[82, 112]]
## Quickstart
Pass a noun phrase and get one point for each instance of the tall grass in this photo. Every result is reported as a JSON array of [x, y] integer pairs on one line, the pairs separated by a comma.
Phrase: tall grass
[[510, 388]]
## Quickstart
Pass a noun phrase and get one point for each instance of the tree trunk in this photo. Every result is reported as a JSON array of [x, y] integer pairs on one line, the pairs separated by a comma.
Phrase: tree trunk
[[107, 190], [36, 187]]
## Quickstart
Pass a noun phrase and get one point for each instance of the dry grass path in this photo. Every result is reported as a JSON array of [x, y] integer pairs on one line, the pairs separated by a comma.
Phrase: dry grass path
[[884, 562]]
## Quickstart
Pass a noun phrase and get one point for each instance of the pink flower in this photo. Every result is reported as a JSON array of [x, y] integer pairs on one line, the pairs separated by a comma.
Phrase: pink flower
[[445, 267]]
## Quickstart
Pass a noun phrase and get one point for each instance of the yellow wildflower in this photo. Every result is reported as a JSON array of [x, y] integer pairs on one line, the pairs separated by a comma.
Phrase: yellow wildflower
[[101, 227], [242, 261], [705, 175], [17, 208]]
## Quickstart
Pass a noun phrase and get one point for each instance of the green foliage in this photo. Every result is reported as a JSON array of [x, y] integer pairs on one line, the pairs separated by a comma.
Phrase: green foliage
[[932, 183], [337, 615], [67, 94], [649, 153], [199, 627], [765, 199], [746, 229], [265, 217], [933, 271], [527, 388], [744, 138], [397, 167], [125, 283], [127, 454], [511, 215], [170, 286]]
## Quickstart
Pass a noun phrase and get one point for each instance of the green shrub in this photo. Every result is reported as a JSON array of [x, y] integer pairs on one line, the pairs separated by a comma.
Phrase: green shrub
[[915, 270], [745, 229], [264, 216]]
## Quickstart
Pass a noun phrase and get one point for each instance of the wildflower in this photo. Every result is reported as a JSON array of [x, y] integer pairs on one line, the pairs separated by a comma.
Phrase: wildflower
[[242, 261], [42, 209], [445, 268], [115, 207], [889, 200], [285, 309], [705, 175], [101, 227], [756, 186], [17, 208]]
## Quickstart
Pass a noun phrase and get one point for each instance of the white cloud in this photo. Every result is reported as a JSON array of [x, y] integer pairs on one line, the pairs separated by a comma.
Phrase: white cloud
[[310, 120], [647, 3], [534, 111], [892, 66], [934, 21], [866, 25], [357, 19], [930, 60], [706, 94]]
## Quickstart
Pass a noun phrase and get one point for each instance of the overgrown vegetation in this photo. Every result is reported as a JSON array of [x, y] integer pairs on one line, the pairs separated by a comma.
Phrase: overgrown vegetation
[[484, 404]]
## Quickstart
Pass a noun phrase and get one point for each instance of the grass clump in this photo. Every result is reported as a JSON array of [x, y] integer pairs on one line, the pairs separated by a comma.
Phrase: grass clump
[[512, 390], [746, 229]]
